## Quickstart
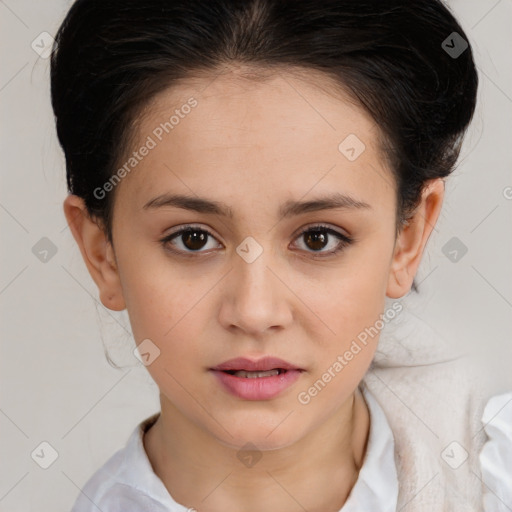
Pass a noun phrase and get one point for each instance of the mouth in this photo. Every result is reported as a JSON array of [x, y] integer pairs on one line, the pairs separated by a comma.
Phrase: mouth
[[260, 379], [255, 374], [253, 368]]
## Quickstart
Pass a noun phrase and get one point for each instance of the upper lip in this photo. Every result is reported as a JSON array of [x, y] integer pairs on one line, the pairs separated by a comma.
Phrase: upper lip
[[253, 365]]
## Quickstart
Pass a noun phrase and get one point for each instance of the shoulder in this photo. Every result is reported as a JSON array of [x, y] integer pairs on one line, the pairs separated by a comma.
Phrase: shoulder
[[120, 481], [496, 454], [117, 497], [99, 486], [431, 393]]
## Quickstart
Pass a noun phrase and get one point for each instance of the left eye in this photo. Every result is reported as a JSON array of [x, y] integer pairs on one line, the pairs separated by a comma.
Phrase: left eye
[[193, 239], [318, 237]]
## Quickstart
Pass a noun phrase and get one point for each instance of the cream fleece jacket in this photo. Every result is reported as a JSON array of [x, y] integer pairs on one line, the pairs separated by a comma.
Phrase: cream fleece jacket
[[430, 394]]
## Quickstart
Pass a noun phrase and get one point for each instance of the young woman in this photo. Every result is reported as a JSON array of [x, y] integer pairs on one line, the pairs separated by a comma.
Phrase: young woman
[[255, 181]]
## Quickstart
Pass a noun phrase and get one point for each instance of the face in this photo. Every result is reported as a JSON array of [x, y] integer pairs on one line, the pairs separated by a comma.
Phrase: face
[[274, 271]]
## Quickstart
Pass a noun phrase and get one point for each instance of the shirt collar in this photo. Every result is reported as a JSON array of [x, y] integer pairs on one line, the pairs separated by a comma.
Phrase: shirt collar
[[376, 487], [137, 472]]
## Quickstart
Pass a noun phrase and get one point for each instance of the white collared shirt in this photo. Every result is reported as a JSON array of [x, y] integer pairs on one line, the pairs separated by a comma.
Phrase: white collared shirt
[[127, 482]]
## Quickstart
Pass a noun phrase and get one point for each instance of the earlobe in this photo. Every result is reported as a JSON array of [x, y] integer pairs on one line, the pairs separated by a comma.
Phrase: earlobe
[[413, 238], [97, 252]]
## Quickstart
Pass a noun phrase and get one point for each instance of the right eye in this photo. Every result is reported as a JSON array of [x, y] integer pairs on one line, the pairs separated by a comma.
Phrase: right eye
[[189, 240]]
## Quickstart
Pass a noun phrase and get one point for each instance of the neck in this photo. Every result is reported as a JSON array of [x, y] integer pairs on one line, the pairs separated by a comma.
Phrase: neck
[[317, 472]]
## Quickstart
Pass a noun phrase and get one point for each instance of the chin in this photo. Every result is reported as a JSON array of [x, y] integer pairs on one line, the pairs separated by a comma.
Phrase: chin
[[263, 437]]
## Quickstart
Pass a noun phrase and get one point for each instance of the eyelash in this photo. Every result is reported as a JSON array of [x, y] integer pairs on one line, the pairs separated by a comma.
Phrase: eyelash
[[344, 240]]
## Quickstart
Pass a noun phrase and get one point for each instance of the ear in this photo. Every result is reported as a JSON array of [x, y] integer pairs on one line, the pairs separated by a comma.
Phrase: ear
[[97, 252], [412, 239]]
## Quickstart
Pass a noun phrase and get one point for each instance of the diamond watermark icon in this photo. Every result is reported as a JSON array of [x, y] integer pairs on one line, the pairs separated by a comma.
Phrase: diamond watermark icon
[[454, 249], [44, 455], [351, 147], [42, 45], [44, 250], [249, 455], [249, 250], [454, 45], [454, 455], [146, 352]]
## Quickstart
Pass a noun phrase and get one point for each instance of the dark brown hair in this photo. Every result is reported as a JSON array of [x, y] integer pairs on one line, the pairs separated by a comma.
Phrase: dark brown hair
[[111, 57]]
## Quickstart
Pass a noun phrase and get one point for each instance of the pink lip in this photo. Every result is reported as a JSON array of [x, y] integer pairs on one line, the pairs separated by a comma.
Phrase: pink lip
[[263, 364], [260, 388]]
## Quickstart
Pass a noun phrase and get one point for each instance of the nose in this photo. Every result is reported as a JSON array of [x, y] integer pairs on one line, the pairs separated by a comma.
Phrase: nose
[[256, 299]]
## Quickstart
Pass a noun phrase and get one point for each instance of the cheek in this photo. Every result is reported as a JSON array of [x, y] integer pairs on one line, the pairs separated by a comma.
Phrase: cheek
[[154, 287], [344, 352], [350, 304], [154, 294], [353, 319], [351, 297], [161, 303], [166, 311]]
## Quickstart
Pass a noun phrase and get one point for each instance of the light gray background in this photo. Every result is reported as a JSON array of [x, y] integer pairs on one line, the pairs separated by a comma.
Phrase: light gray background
[[56, 383]]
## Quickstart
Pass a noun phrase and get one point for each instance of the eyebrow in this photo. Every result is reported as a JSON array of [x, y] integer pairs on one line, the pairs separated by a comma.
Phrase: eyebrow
[[288, 209]]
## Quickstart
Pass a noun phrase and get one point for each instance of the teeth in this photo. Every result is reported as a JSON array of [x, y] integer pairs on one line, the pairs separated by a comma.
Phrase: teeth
[[255, 375]]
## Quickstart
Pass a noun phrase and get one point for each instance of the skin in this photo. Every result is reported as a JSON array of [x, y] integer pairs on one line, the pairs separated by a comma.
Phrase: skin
[[254, 145]]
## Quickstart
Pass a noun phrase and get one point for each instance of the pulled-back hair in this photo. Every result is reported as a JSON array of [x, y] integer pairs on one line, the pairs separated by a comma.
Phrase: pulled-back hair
[[111, 57]]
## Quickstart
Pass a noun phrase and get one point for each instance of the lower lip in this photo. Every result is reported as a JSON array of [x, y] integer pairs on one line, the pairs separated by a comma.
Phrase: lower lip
[[260, 388]]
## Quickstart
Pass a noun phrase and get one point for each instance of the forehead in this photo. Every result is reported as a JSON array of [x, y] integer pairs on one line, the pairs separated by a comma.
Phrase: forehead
[[283, 132]]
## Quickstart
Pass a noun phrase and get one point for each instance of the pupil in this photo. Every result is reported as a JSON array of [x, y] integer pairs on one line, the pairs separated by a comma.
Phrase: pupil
[[196, 239], [318, 238]]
